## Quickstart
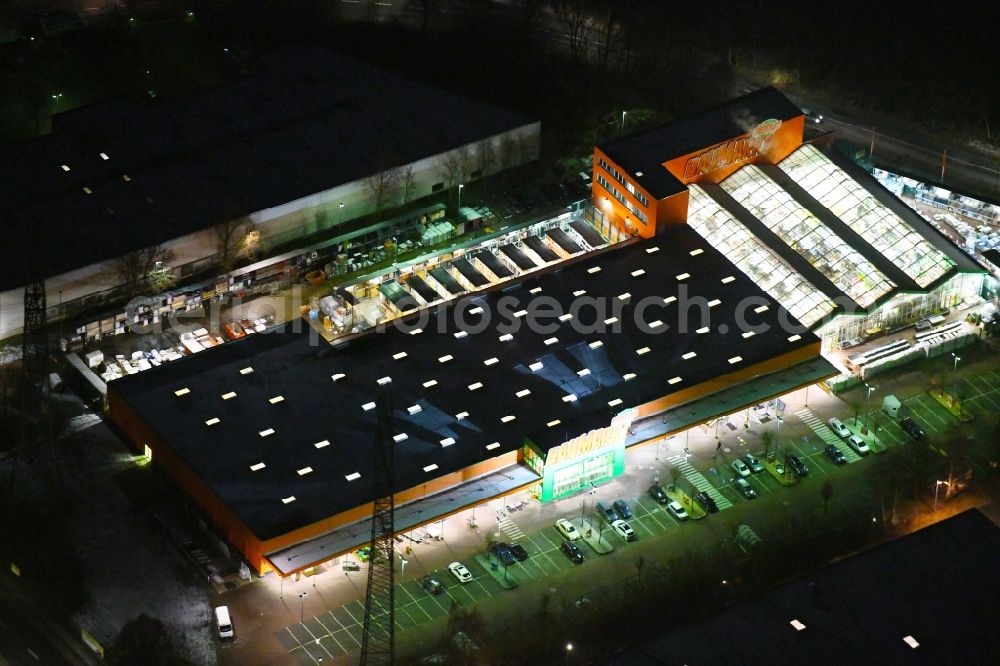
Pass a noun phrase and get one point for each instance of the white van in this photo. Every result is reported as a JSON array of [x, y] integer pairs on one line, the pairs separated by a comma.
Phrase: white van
[[223, 623]]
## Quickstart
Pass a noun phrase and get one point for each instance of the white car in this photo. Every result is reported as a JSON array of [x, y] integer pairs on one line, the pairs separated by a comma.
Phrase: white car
[[838, 427], [676, 510], [858, 445], [624, 530], [460, 572], [223, 624], [567, 529], [740, 467]]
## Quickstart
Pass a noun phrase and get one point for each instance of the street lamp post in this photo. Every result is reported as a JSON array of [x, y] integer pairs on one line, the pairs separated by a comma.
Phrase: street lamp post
[[340, 214], [937, 486], [569, 650], [957, 359], [460, 186], [623, 122], [302, 607], [868, 394]]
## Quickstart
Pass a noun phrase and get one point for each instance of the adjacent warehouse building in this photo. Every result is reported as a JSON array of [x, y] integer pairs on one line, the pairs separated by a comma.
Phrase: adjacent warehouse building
[[526, 385], [309, 140], [816, 231]]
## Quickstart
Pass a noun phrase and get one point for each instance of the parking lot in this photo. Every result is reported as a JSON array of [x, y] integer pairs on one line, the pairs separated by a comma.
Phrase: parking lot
[[337, 632]]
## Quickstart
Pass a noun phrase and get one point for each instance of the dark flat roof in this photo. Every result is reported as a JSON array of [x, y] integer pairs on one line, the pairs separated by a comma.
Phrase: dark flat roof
[[435, 375], [305, 121], [647, 151], [939, 585]]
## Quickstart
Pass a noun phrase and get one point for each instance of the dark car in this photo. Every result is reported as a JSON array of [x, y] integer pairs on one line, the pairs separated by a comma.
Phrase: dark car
[[518, 551], [744, 488], [835, 454], [911, 428], [502, 552], [754, 464], [622, 509], [657, 494], [572, 552], [606, 512], [797, 466], [432, 585], [706, 502]]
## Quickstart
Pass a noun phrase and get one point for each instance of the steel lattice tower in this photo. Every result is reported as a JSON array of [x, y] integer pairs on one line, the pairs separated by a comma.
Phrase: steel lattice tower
[[378, 639]]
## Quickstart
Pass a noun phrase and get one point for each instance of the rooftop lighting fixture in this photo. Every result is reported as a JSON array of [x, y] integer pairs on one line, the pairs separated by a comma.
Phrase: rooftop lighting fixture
[[460, 334], [728, 279], [476, 310], [689, 355], [212, 421], [266, 433], [493, 360], [569, 397], [430, 468], [65, 167], [596, 344], [523, 392], [352, 477], [416, 331], [520, 313], [579, 292], [554, 423], [535, 290], [229, 396], [401, 437], [475, 386], [651, 250], [461, 415], [246, 371], [683, 276], [430, 382], [642, 350], [565, 317], [183, 391], [337, 377], [508, 418], [695, 253], [674, 380], [762, 308], [382, 381], [594, 269], [583, 373], [551, 341], [610, 320], [797, 625], [304, 471], [414, 409], [87, 190], [748, 334], [256, 468], [447, 441], [795, 338], [736, 359], [276, 399], [628, 376], [494, 445], [712, 303], [638, 273], [615, 402], [104, 156], [506, 337], [703, 330], [536, 366], [368, 406], [669, 299], [445, 358], [398, 356], [911, 641], [288, 500], [323, 444]]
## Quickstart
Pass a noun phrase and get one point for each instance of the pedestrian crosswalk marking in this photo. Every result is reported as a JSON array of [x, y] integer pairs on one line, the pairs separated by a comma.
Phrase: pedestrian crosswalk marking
[[828, 436], [699, 481], [508, 527]]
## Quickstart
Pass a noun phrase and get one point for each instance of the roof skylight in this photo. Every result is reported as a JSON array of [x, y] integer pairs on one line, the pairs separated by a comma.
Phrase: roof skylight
[[594, 269], [266, 432], [491, 361], [401, 437], [553, 423], [368, 406], [475, 386], [615, 402], [430, 382], [353, 476], [494, 445], [229, 396], [183, 391], [323, 444], [304, 471], [445, 358], [257, 467], [337, 377], [523, 393], [431, 467], [276, 399], [689, 355], [399, 356], [508, 418], [246, 371], [288, 500], [536, 366], [447, 441], [674, 380], [212, 421]]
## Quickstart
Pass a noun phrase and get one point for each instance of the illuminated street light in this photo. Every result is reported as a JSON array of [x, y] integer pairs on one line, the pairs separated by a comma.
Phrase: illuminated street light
[[937, 486], [957, 359], [623, 121], [569, 650], [460, 186]]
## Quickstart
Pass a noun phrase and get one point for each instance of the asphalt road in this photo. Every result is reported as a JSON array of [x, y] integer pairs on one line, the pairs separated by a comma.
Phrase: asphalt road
[[21, 642]]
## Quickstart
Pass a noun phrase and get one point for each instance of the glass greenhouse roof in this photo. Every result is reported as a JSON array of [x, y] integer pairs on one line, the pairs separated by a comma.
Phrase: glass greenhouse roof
[[768, 270], [865, 215], [807, 235]]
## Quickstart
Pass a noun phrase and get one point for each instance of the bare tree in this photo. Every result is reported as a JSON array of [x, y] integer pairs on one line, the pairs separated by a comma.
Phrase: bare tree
[[136, 268], [408, 182], [609, 27], [486, 156], [428, 10], [508, 152], [380, 184], [451, 170], [230, 236], [464, 162], [574, 17]]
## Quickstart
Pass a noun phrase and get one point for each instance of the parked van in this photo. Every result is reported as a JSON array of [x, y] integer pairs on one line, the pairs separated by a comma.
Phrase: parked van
[[223, 623], [892, 406]]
